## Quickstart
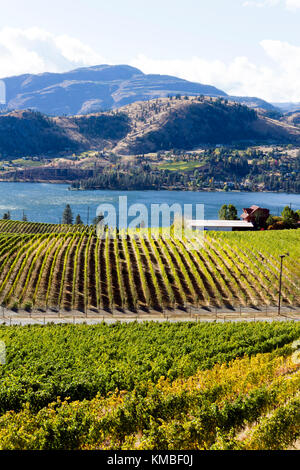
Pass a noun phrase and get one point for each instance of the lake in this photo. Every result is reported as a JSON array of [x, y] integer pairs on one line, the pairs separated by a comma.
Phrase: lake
[[46, 202]]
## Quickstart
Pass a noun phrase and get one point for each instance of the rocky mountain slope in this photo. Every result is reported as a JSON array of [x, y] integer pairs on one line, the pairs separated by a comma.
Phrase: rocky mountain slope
[[187, 123], [90, 89], [103, 87], [287, 107], [142, 127], [292, 118]]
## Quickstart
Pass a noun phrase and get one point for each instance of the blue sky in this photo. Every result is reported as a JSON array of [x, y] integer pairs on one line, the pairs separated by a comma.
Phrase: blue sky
[[244, 47]]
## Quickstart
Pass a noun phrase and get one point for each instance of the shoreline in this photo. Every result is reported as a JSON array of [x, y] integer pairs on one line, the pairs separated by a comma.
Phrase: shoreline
[[171, 189]]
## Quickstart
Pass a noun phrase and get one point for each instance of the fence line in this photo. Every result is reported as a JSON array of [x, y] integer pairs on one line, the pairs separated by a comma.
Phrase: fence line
[[181, 313]]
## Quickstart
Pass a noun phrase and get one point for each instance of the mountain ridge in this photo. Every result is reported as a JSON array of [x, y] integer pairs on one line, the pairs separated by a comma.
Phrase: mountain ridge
[[99, 88], [141, 127]]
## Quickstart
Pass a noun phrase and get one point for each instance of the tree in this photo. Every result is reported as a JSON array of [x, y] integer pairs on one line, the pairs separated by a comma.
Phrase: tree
[[232, 212], [78, 220], [67, 215], [270, 220], [228, 212], [98, 219], [6, 216], [24, 217], [289, 216], [223, 212]]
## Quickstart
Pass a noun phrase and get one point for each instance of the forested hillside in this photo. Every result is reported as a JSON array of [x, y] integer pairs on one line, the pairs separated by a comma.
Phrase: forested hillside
[[163, 124], [29, 133]]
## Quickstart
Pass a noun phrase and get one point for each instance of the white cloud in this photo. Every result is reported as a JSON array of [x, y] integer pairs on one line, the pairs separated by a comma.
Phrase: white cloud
[[261, 4], [279, 82], [289, 4], [292, 4], [35, 50]]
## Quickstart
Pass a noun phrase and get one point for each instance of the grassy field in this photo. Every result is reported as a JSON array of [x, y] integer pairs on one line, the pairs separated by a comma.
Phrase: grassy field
[[181, 166], [67, 267], [150, 386]]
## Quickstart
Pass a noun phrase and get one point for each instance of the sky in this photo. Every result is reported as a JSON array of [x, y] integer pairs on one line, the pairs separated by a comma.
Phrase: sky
[[246, 48]]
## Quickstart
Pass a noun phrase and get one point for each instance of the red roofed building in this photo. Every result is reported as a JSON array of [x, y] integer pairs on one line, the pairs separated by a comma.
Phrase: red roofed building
[[256, 215]]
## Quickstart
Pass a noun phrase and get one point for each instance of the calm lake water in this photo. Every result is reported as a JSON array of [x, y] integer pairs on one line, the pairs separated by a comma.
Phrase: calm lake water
[[46, 202]]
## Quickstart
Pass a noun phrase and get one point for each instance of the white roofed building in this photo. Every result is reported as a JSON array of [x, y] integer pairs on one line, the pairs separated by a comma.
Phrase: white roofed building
[[220, 225]]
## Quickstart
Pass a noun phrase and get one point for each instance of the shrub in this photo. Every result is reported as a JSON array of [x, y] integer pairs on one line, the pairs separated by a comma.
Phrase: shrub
[[28, 307], [15, 307]]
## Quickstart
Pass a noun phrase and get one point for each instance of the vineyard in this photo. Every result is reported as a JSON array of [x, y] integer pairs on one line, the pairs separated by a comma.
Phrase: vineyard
[[151, 386], [70, 268], [14, 226]]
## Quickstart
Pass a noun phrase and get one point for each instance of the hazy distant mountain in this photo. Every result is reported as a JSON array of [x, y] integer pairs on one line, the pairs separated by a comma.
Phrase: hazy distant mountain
[[256, 103], [292, 118], [99, 88], [93, 89], [287, 107], [141, 127]]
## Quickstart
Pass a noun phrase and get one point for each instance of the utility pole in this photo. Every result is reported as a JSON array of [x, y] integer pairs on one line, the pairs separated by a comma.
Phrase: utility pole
[[280, 282]]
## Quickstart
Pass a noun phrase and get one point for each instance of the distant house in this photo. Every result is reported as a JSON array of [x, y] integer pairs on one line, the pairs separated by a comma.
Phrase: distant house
[[255, 214], [220, 225]]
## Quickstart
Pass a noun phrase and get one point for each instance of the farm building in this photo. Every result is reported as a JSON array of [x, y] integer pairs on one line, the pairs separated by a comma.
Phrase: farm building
[[255, 214]]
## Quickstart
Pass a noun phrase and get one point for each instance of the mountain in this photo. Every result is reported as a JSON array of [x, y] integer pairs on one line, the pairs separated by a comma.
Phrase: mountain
[[187, 123], [287, 107], [30, 133], [93, 89], [141, 127], [256, 103], [292, 118]]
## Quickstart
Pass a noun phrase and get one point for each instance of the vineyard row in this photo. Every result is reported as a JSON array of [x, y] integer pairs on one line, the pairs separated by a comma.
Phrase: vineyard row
[[76, 271]]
